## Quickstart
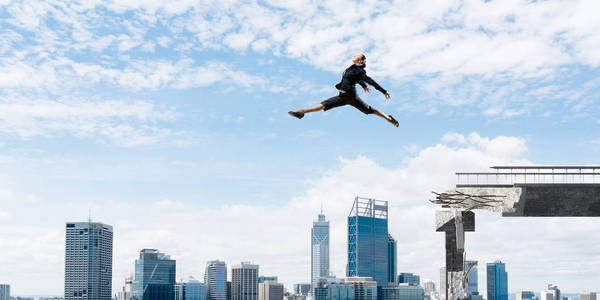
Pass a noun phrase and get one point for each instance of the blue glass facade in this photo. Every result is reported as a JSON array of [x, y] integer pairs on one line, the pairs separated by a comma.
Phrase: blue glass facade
[[392, 256], [409, 278], [497, 281], [368, 240], [154, 276]]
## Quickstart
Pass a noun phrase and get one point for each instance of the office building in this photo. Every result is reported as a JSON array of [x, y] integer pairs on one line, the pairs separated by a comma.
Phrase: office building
[[125, 292], [368, 240], [270, 290], [319, 253], [587, 296], [301, 288], [443, 280], [409, 278], [392, 260], [4, 292], [429, 289], [555, 291], [215, 278], [497, 281], [335, 291], [190, 289], [547, 295], [262, 279], [365, 288], [154, 276], [244, 281], [471, 267], [525, 295], [403, 291], [88, 261]]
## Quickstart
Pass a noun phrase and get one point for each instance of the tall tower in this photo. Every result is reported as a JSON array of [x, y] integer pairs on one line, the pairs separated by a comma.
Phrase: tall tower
[[392, 260], [244, 281], [368, 240], [154, 276], [319, 253], [497, 281], [88, 261], [471, 268], [215, 278]]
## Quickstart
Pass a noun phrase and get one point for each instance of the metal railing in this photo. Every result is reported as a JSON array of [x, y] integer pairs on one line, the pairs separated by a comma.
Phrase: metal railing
[[510, 175]]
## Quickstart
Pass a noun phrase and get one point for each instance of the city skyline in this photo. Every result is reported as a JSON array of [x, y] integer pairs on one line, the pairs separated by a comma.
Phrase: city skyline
[[168, 120]]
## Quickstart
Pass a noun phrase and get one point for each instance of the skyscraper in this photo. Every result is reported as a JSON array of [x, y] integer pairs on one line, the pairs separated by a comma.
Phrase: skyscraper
[[392, 257], [588, 296], [443, 282], [215, 278], [244, 281], [365, 288], [409, 278], [497, 281], [528, 295], [154, 276], [125, 293], [4, 292], [319, 253], [262, 279], [555, 291], [190, 289], [368, 240], [301, 288], [471, 267], [270, 290], [88, 261]]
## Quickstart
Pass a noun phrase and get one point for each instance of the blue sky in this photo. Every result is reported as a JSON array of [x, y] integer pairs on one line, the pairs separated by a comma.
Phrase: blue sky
[[169, 122]]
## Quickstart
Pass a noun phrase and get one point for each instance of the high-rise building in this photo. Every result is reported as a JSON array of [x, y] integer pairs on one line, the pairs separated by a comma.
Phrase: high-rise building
[[588, 296], [319, 253], [429, 289], [403, 291], [88, 261], [335, 291], [228, 288], [409, 278], [244, 281], [4, 292], [365, 288], [301, 288], [392, 260], [270, 290], [190, 289], [547, 295], [555, 291], [526, 295], [443, 282], [215, 278], [262, 279], [368, 240], [125, 292], [471, 267], [154, 276], [497, 281]]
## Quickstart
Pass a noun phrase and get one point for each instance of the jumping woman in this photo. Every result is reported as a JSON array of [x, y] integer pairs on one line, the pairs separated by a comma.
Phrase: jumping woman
[[354, 74]]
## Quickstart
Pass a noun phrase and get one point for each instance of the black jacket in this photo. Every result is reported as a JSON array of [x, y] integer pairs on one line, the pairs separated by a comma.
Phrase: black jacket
[[356, 74]]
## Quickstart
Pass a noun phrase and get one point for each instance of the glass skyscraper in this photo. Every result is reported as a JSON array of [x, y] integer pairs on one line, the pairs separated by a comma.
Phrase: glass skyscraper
[[190, 289], [471, 267], [88, 261], [215, 278], [368, 240], [319, 253], [497, 281], [392, 260], [4, 292], [409, 278], [154, 276]]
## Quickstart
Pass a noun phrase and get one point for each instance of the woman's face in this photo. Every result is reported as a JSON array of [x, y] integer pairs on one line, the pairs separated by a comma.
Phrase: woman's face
[[357, 59]]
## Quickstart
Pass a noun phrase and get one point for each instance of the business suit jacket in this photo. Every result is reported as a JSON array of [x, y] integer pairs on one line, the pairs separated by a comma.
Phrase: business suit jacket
[[356, 74]]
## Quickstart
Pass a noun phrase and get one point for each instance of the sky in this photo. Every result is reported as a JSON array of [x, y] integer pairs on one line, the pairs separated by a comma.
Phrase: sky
[[168, 120]]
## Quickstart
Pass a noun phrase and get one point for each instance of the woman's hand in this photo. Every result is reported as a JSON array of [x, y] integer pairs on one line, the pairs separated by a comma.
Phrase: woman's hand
[[387, 96], [366, 88]]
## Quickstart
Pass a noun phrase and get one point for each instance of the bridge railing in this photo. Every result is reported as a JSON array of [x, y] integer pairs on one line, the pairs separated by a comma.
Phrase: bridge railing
[[509, 175]]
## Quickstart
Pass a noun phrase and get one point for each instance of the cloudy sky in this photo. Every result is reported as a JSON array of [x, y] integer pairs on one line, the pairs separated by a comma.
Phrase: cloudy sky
[[169, 122]]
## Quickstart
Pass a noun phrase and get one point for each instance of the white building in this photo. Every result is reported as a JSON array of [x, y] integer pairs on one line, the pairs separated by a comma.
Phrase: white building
[[319, 255]]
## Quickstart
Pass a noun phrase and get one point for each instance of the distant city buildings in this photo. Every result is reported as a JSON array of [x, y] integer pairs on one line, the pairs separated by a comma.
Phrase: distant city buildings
[[4, 292], [368, 240], [546, 295], [190, 289], [443, 283], [392, 260], [525, 295], [126, 292], [215, 278], [335, 291], [588, 296], [365, 288], [409, 278], [429, 289], [262, 279], [319, 253], [302, 288], [471, 267], [154, 276], [88, 261], [244, 281], [403, 291], [497, 281], [270, 290], [555, 291]]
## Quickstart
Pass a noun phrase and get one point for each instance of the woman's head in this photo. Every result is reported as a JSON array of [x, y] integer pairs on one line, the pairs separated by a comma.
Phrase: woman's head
[[359, 59]]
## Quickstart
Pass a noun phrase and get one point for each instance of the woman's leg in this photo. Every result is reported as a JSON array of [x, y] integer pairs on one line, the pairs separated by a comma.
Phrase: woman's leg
[[315, 108], [367, 109]]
